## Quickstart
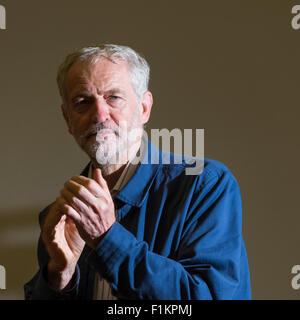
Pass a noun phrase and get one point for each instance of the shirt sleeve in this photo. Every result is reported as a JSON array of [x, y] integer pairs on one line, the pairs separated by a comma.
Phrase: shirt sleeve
[[210, 261]]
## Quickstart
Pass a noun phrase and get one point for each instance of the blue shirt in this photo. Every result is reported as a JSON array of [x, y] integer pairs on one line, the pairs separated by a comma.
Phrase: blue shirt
[[178, 236]]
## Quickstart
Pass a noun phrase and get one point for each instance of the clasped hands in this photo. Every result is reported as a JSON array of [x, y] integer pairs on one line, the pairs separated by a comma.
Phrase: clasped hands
[[89, 204], [82, 213]]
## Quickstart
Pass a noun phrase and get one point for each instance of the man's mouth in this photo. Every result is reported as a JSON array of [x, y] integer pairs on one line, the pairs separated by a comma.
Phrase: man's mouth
[[101, 133], [104, 133]]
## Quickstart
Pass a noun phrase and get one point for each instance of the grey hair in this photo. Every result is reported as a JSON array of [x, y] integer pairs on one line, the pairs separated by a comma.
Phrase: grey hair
[[139, 69]]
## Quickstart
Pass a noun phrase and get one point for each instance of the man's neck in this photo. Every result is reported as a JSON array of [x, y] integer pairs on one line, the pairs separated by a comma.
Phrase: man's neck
[[111, 173]]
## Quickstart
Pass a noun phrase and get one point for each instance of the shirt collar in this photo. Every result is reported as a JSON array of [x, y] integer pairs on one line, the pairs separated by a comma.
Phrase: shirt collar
[[135, 191]]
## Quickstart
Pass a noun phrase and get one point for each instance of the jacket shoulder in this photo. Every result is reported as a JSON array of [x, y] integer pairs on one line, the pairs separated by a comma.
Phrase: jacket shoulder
[[208, 171]]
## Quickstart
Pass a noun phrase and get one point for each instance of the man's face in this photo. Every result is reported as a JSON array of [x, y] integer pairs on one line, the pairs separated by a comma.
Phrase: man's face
[[103, 110]]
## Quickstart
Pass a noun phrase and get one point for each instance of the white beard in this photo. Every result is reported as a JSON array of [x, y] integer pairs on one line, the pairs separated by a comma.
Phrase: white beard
[[115, 149], [109, 148]]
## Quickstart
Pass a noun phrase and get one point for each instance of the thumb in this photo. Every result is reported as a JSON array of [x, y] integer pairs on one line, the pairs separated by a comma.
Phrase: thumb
[[98, 177]]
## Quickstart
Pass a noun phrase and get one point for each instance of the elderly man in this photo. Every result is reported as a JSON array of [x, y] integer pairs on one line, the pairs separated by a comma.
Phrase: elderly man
[[128, 230]]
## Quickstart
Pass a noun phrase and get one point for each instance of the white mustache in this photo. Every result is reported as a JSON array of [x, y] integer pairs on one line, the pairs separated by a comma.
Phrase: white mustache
[[98, 127]]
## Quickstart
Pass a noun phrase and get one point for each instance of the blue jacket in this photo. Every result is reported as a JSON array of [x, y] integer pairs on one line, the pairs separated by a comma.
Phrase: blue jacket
[[178, 237]]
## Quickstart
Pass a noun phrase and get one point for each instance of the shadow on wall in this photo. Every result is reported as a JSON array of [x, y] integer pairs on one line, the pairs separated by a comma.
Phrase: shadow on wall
[[19, 233]]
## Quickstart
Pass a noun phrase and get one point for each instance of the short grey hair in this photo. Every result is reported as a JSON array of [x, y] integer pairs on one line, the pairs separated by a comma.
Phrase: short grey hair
[[139, 69]]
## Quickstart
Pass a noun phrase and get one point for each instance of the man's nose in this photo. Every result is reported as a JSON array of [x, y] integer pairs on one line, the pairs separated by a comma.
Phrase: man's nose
[[100, 110]]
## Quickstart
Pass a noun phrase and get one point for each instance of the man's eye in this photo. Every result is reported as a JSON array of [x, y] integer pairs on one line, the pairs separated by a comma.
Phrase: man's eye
[[81, 105], [81, 102], [115, 101]]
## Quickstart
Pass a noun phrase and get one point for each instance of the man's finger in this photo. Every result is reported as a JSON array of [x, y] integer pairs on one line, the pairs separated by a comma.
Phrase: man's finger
[[55, 213], [72, 214], [54, 217], [73, 201], [90, 184], [82, 192]]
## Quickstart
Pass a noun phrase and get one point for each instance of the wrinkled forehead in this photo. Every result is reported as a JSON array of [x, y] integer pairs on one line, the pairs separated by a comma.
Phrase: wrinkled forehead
[[99, 69], [102, 74]]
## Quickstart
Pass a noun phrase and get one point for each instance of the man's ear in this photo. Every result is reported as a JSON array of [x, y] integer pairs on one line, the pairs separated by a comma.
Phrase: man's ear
[[67, 118], [146, 106]]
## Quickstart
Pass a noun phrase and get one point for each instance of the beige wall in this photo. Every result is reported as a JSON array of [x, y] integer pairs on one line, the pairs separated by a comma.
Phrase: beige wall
[[230, 67]]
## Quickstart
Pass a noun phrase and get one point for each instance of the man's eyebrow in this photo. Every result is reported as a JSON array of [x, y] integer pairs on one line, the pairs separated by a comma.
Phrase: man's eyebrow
[[114, 91], [90, 95]]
